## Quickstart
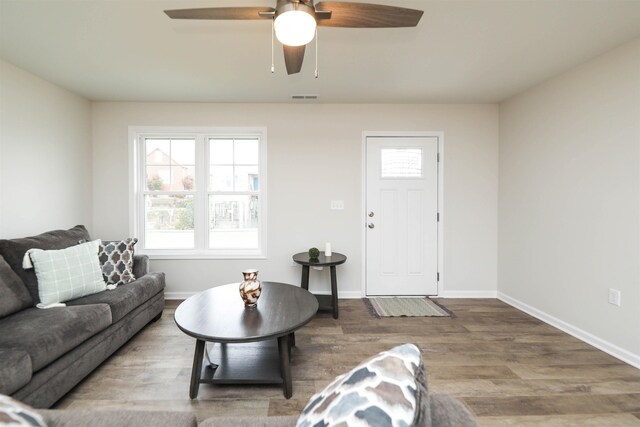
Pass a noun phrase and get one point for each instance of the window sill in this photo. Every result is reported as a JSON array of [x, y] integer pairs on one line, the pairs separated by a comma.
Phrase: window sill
[[196, 256]]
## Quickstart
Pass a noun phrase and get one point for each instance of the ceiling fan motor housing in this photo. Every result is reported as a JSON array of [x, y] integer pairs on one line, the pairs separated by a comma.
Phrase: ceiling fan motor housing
[[301, 5]]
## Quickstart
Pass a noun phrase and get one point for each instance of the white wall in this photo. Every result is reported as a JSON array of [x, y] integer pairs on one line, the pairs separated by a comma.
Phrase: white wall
[[314, 156], [45, 155], [569, 205]]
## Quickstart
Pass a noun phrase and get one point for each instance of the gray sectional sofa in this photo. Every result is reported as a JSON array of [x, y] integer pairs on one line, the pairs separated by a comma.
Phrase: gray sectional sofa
[[44, 353]]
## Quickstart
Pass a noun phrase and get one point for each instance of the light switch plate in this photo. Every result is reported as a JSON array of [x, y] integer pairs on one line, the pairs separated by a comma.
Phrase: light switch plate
[[337, 205]]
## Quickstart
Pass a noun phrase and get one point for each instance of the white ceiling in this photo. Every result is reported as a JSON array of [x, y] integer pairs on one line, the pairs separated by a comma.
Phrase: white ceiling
[[462, 50]]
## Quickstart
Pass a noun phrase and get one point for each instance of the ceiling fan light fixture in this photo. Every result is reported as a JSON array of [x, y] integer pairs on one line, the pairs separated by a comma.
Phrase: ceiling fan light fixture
[[295, 27]]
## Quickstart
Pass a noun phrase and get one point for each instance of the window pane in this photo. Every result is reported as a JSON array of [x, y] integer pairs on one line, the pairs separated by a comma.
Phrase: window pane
[[183, 152], [401, 162], [158, 178], [160, 153], [246, 151], [246, 178], [157, 151], [221, 178], [169, 222], [182, 178], [221, 152], [233, 222]]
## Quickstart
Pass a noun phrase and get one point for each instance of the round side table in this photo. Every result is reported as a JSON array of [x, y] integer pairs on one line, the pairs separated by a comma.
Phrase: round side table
[[327, 302]]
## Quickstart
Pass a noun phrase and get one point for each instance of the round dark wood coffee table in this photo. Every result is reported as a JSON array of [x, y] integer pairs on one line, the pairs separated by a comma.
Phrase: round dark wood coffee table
[[254, 343]]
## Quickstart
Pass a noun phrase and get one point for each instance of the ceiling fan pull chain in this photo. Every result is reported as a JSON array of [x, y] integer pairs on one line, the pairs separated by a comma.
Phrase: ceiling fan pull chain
[[316, 53], [273, 67]]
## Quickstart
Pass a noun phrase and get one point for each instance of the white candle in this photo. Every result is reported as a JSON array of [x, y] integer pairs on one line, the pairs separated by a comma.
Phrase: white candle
[[327, 249]]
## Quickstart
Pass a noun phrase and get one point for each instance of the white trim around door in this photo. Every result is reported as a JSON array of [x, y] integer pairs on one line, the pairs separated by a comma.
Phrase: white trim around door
[[363, 199]]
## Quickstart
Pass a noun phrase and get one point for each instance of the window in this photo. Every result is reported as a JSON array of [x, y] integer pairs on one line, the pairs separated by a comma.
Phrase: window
[[199, 194], [401, 162]]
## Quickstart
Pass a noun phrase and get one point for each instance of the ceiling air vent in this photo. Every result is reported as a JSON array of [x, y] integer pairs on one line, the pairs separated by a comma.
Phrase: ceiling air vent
[[304, 97]]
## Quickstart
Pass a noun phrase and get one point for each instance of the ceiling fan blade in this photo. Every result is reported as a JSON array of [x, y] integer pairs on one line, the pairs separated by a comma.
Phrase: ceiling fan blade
[[221, 13], [293, 56], [365, 15]]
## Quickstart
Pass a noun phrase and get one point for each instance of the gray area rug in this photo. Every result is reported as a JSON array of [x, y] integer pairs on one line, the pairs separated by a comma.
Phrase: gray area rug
[[405, 307]]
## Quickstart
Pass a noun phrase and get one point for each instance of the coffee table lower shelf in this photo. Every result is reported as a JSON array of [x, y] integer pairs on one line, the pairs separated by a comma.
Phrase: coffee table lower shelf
[[246, 363], [261, 362]]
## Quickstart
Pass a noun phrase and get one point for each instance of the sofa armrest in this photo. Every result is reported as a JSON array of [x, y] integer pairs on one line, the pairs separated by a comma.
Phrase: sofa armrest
[[140, 265], [447, 411], [278, 421], [110, 418]]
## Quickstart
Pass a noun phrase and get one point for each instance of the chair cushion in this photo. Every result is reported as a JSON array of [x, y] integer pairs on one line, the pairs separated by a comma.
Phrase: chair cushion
[[125, 298], [13, 251], [14, 296], [383, 390], [15, 369], [48, 334]]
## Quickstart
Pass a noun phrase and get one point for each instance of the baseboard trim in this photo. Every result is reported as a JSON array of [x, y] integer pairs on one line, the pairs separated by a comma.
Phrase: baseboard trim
[[468, 294], [185, 295], [609, 348], [178, 295]]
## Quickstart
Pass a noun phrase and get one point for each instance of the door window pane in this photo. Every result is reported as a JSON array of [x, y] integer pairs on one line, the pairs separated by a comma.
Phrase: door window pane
[[233, 221], [169, 222], [401, 162]]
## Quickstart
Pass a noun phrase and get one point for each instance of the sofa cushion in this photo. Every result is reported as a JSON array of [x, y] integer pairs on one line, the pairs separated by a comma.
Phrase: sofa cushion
[[383, 390], [125, 298], [111, 418], [116, 260], [14, 413], [48, 334], [15, 369], [14, 296], [13, 251]]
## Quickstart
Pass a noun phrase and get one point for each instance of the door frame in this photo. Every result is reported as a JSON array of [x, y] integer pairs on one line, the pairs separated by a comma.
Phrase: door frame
[[363, 200]]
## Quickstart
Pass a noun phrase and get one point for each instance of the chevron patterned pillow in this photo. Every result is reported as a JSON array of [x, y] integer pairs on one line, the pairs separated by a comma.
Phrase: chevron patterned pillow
[[386, 390]]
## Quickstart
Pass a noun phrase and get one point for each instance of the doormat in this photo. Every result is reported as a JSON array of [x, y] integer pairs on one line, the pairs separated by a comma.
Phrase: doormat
[[405, 307]]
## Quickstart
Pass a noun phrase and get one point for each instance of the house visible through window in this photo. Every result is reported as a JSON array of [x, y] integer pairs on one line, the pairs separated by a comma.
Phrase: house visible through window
[[200, 194]]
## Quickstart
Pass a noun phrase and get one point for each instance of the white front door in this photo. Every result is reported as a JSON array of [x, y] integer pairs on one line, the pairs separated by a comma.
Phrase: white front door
[[402, 209]]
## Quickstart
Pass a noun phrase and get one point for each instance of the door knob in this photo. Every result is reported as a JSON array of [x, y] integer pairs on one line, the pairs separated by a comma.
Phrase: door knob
[[371, 214], [371, 226]]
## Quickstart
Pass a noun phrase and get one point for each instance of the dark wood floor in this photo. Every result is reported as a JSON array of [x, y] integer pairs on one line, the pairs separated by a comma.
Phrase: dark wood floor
[[505, 366]]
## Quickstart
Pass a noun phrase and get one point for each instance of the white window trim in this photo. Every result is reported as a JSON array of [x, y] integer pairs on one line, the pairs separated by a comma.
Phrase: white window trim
[[136, 208]]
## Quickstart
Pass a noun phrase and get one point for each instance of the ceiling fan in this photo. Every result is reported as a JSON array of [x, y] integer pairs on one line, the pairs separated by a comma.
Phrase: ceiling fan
[[295, 21]]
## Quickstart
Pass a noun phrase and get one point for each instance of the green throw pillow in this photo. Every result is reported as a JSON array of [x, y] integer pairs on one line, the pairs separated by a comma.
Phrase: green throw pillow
[[66, 274]]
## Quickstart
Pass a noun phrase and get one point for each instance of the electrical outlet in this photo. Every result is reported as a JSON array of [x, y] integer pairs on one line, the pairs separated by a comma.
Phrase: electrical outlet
[[615, 297]]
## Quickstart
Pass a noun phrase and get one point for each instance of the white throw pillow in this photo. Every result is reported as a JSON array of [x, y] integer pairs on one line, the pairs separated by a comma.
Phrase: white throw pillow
[[66, 274]]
